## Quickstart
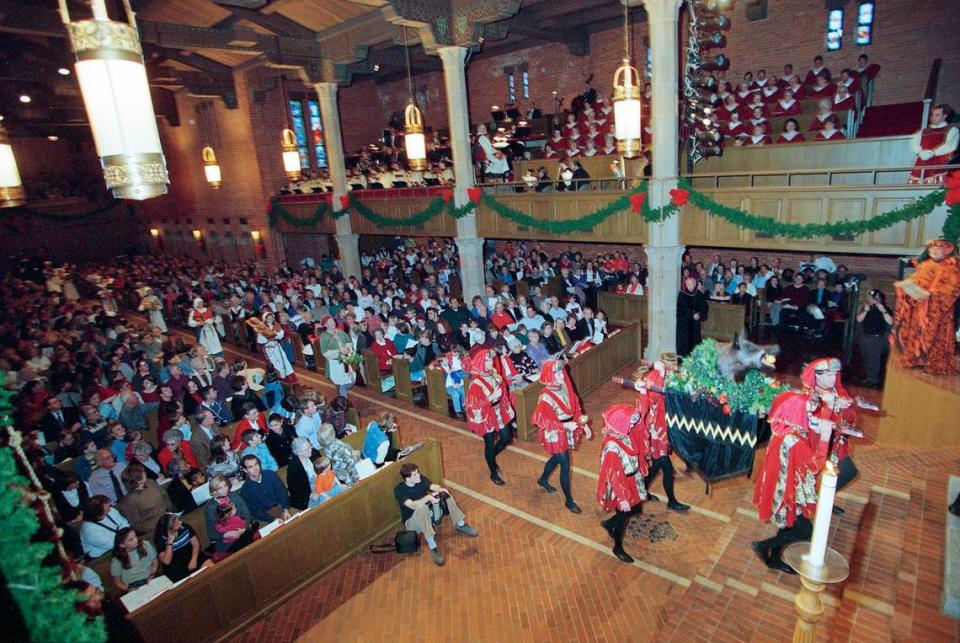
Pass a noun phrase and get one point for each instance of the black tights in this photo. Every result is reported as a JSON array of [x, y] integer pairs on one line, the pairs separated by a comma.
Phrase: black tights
[[493, 443], [617, 523], [802, 530], [662, 463], [561, 460]]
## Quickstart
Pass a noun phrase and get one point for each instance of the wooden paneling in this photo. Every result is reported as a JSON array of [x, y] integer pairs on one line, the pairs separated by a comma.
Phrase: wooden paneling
[[816, 205], [588, 370], [440, 226], [622, 309], [326, 225], [623, 227], [891, 151], [222, 600], [724, 320], [319, 15]]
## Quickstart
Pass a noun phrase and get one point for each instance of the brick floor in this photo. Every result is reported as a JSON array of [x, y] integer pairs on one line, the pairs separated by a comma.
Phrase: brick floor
[[538, 572]]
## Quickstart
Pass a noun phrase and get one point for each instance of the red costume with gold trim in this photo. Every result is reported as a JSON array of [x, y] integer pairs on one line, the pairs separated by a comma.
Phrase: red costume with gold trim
[[923, 329], [556, 406], [623, 458], [655, 416], [488, 403], [840, 410], [787, 482]]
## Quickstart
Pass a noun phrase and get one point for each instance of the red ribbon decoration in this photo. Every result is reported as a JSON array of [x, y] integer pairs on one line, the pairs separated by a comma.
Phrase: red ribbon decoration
[[344, 202], [447, 196], [636, 201], [679, 196], [474, 194]]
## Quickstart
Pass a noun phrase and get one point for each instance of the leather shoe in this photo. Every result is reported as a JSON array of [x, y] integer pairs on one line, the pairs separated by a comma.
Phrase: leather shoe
[[497, 480], [546, 485], [759, 550], [678, 506], [779, 565], [572, 506], [622, 555], [437, 556], [652, 498]]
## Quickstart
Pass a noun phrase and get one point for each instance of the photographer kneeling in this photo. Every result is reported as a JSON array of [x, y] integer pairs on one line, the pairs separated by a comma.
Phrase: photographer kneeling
[[422, 505]]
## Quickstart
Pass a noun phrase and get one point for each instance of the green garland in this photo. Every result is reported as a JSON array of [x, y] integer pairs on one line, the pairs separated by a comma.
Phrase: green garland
[[700, 376], [64, 218], [770, 226], [277, 211], [763, 224]]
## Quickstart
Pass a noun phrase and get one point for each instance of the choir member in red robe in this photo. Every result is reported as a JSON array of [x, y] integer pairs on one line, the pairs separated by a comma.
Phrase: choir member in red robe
[[557, 142], [848, 79], [818, 71], [788, 77], [758, 118], [623, 463], [735, 128], [489, 409], [820, 88], [934, 145], [843, 100], [866, 70], [799, 91], [728, 107], [549, 152], [786, 106], [791, 132], [561, 424], [759, 136], [755, 102], [572, 150], [771, 93], [830, 132], [824, 114], [571, 131]]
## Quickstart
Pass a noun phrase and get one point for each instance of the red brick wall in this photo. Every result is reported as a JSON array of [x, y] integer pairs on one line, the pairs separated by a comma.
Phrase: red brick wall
[[908, 35]]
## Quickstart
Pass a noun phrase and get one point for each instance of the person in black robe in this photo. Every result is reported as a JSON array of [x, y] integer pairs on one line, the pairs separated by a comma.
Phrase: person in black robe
[[692, 311]]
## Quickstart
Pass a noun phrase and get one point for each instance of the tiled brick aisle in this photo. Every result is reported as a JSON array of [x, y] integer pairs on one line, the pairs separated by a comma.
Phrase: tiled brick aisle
[[539, 573]]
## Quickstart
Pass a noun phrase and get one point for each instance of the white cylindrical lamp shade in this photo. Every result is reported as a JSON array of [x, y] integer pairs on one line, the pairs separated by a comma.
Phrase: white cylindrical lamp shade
[[627, 109], [113, 82], [11, 187], [291, 157], [211, 169], [414, 140]]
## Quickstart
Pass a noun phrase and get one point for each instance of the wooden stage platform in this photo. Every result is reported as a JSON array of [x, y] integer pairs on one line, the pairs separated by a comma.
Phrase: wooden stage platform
[[918, 409]]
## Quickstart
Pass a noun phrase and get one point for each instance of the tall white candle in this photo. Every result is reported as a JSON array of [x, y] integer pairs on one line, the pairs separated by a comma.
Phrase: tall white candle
[[821, 522]]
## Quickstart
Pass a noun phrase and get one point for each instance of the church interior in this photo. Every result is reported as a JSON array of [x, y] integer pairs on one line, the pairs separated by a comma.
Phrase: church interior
[[284, 282]]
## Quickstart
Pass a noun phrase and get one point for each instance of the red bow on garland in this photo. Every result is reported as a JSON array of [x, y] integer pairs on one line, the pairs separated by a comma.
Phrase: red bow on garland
[[474, 194], [953, 189], [344, 201], [447, 196], [679, 196], [636, 201]]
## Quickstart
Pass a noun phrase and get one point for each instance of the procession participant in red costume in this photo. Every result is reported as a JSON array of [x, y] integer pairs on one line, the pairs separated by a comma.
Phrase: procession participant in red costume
[[823, 384], [934, 145], [204, 320], [654, 421], [786, 491], [622, 466], [489, 409], [923, 323], [560, 424]]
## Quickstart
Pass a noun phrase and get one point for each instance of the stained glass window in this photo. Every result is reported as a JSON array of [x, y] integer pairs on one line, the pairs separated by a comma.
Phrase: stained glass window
[[511, 87], [835, 30], [316, 133], [300, 132], [525, 83], [865, 23]]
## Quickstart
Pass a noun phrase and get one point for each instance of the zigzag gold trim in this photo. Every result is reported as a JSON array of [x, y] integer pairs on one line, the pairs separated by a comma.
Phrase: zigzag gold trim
[[711, 430]]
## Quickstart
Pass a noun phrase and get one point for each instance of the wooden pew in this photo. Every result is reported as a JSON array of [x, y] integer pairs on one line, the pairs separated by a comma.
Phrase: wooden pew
[[221, 601], [371, 372], [622, 309], [297, 344], [588, 370], [724, 320], [401, 378], [437, 395], [554, 287], [318, 359]]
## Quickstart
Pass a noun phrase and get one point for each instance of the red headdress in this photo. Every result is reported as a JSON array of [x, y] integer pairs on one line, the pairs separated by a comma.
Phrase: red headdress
[[478, 365], [550, 376], [619, 419], [809, 375]]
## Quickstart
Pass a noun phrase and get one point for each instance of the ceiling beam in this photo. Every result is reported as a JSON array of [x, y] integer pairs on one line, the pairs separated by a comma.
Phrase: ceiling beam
[[275, 22]]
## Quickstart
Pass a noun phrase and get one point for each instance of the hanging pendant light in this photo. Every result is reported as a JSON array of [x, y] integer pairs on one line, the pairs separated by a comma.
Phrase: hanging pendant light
[[113, 82], [11, 187], [211, 168], [288, 141], [627, 106], [413, 139]]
